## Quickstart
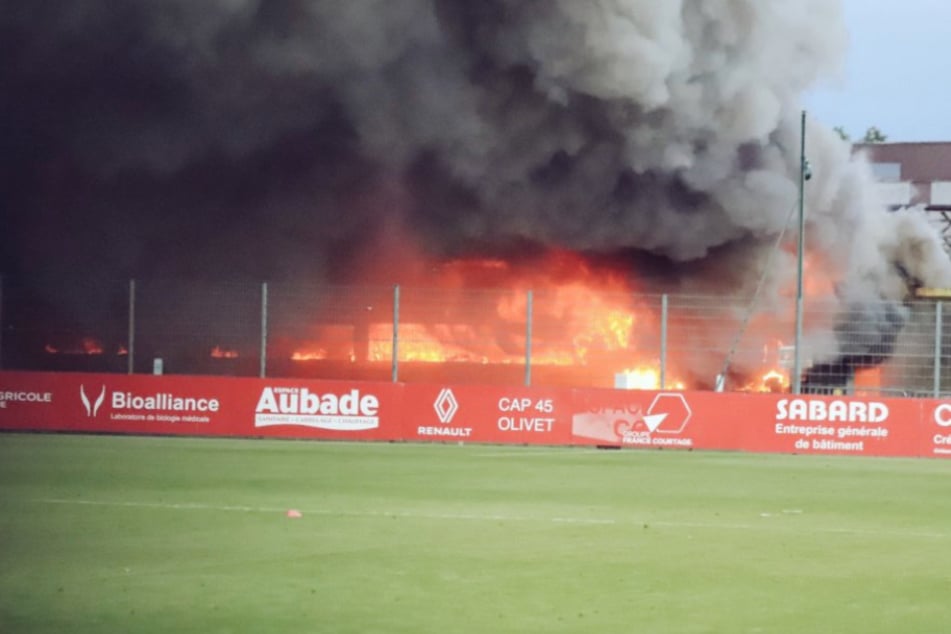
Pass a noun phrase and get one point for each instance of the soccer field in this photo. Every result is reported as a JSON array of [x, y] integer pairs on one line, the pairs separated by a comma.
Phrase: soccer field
[[134, 534]]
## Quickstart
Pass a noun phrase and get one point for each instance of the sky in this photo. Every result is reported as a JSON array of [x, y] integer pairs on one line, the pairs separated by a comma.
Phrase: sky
[[895, 72]]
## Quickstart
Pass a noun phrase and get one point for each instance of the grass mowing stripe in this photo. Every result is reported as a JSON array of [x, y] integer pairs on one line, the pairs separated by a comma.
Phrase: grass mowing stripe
[[766, 525], [531, 452], [194, 506]]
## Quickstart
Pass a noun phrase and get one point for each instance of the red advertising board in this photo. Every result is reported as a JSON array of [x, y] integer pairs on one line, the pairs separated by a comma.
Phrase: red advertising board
[[115, 403], [338, 410], [829, 425], [647, 419], [936, 429], [489, 414], [193, 405], [768, 423]]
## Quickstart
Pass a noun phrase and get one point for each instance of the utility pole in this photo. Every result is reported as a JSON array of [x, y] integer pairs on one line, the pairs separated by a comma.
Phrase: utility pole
[[804, 175]]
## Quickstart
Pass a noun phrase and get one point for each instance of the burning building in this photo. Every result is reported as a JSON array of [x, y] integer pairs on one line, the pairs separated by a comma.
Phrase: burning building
[[377, 143]]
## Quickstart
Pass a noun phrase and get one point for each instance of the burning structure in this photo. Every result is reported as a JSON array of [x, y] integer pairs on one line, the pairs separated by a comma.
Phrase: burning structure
[[377, 142]]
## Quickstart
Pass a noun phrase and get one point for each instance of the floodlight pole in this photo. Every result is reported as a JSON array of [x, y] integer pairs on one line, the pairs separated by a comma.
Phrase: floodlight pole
[[797, 352]]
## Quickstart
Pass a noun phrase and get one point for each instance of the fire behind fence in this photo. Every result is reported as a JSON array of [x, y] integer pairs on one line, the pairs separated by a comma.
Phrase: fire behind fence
[[569, 336]]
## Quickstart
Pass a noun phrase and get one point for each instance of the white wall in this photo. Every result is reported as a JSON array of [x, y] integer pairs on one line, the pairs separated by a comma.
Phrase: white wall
[[894, 193], [941, 193]]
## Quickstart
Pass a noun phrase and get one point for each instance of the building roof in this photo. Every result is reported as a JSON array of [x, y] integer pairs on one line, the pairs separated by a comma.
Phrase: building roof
[[923, 162]]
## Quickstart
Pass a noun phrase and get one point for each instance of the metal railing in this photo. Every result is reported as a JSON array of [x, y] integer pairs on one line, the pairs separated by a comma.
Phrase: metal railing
[[553, 337]]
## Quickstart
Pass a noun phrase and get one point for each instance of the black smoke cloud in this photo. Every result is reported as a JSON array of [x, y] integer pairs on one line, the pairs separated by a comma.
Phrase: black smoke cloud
[[148, 138], [281, 138]]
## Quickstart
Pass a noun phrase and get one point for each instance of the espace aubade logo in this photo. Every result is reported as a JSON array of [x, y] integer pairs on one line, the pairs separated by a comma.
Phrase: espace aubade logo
[[446, 406], [164, 407], [350, 411]]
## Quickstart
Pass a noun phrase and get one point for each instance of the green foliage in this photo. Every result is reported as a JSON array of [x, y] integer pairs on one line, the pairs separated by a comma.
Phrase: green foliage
[[874, 135]]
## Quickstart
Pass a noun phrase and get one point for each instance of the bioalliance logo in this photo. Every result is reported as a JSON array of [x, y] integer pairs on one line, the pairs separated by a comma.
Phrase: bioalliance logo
[[160, 406], [92, 409], [351, 411]]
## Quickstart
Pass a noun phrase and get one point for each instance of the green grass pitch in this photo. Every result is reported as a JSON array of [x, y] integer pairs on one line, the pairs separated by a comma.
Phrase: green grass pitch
[[131, 534]]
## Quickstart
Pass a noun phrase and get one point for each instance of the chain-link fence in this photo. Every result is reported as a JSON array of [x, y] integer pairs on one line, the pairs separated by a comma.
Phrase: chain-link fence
[[565, 336]]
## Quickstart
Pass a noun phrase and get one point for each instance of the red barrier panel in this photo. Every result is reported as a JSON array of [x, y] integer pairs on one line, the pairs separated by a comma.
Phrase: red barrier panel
[[491, 414], [935, 429], [340, 410], [765, 423], [200, 405], [216, 406], [680, 420], [828, 425], [115, 403]]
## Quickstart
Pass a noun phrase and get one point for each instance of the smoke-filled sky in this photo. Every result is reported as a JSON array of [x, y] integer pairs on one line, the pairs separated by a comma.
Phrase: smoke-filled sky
[[306, 139], [894, 72]]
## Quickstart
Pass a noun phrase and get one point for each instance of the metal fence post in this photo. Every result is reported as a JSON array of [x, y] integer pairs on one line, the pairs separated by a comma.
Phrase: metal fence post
[[396, 334], [663, 341], [528, 340], [131, 334], [938, 327], [263, 371]]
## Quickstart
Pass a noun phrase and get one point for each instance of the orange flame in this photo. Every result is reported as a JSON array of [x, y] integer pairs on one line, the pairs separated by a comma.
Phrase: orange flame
[[773, 381], [91, 346], [868, 382], [428, 344], [775, 372], [583, 316], [86, 346], [223, 353], [646, 378], [309, 355]]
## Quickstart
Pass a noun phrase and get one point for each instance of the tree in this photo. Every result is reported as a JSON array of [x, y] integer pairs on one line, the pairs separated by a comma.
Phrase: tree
[[842, 133], [874, 135]]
